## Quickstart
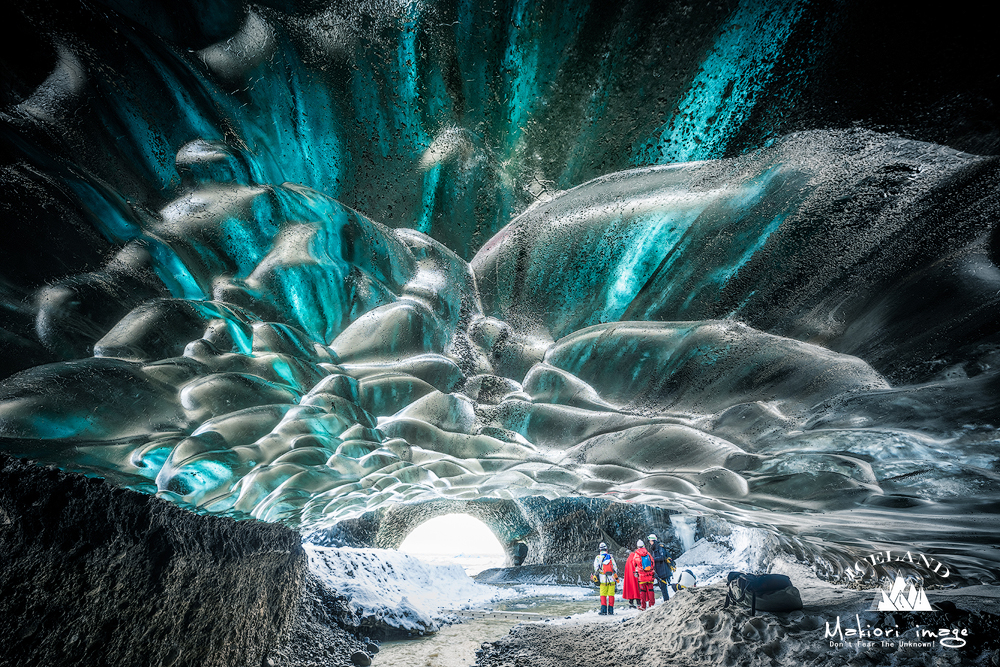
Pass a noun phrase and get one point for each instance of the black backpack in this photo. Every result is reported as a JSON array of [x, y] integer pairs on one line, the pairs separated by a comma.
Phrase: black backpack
[[745, 588]]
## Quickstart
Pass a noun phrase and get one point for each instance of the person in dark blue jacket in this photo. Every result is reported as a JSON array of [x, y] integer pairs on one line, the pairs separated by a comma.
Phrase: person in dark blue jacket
[[664, 565]]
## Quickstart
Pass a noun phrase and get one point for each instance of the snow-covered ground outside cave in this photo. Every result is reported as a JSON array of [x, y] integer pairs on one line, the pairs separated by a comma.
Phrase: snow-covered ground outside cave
[[435, 601], [416, 597], [402, 591]]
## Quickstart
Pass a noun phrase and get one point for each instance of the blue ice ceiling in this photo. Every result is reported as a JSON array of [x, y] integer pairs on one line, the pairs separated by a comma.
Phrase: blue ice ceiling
[[463, 114], [299, 261]]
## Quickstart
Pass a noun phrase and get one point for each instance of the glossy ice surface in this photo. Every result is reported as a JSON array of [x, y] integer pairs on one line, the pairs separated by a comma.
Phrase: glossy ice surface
[[302, 299]]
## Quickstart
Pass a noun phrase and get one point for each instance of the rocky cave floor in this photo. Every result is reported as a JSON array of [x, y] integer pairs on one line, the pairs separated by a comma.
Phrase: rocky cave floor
[[694, 630]]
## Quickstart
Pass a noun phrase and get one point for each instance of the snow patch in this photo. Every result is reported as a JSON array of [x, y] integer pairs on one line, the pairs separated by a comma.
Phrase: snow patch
[[743, 550], [397, 591]]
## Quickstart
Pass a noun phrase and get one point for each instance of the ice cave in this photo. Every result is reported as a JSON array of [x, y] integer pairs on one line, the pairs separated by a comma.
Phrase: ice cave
[[284, 280]]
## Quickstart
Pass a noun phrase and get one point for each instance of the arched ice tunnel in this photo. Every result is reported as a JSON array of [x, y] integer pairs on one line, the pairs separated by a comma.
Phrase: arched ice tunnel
[[563, 531]]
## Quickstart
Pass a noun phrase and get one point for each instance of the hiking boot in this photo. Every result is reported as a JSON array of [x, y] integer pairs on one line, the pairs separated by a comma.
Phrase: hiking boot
[[603, 611], [611, 610]]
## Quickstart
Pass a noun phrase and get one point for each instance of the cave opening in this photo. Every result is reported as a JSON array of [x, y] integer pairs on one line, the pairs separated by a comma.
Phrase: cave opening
[[458, 539]]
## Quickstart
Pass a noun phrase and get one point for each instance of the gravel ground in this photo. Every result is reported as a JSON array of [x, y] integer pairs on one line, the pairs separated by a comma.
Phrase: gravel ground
[[693, 630]]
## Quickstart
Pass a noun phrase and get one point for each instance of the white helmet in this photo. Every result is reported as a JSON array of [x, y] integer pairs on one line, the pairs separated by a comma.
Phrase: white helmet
[[638, 544], [602, 546], [651, 537]]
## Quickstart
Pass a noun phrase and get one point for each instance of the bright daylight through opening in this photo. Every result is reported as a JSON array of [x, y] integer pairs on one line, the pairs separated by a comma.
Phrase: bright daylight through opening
[[456, 539]]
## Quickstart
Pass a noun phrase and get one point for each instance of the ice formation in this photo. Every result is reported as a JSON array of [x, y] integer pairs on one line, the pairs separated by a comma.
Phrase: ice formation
[[326, 364], [801, 338], [398, 593]]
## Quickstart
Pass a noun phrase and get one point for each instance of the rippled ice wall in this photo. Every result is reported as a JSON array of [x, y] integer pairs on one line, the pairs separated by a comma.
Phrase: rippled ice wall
[[802, 338]]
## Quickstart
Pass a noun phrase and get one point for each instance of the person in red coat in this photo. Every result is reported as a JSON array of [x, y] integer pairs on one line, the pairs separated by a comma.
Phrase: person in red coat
[[645, 574], [630, 581]]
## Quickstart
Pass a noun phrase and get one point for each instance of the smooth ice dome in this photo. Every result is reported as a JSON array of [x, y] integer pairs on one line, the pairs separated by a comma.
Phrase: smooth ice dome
[[328, 365], [303, 263]]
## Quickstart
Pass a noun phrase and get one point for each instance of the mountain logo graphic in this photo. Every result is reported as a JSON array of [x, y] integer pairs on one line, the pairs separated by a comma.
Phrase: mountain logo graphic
[[903, 598]]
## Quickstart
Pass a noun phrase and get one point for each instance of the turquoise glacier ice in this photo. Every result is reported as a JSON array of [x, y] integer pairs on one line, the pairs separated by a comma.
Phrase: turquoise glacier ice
[[322, 261]]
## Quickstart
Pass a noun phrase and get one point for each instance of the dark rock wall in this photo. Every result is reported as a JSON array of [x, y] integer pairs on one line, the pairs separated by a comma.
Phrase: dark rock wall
[[324, 632], [95, 575], [577, 574]]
